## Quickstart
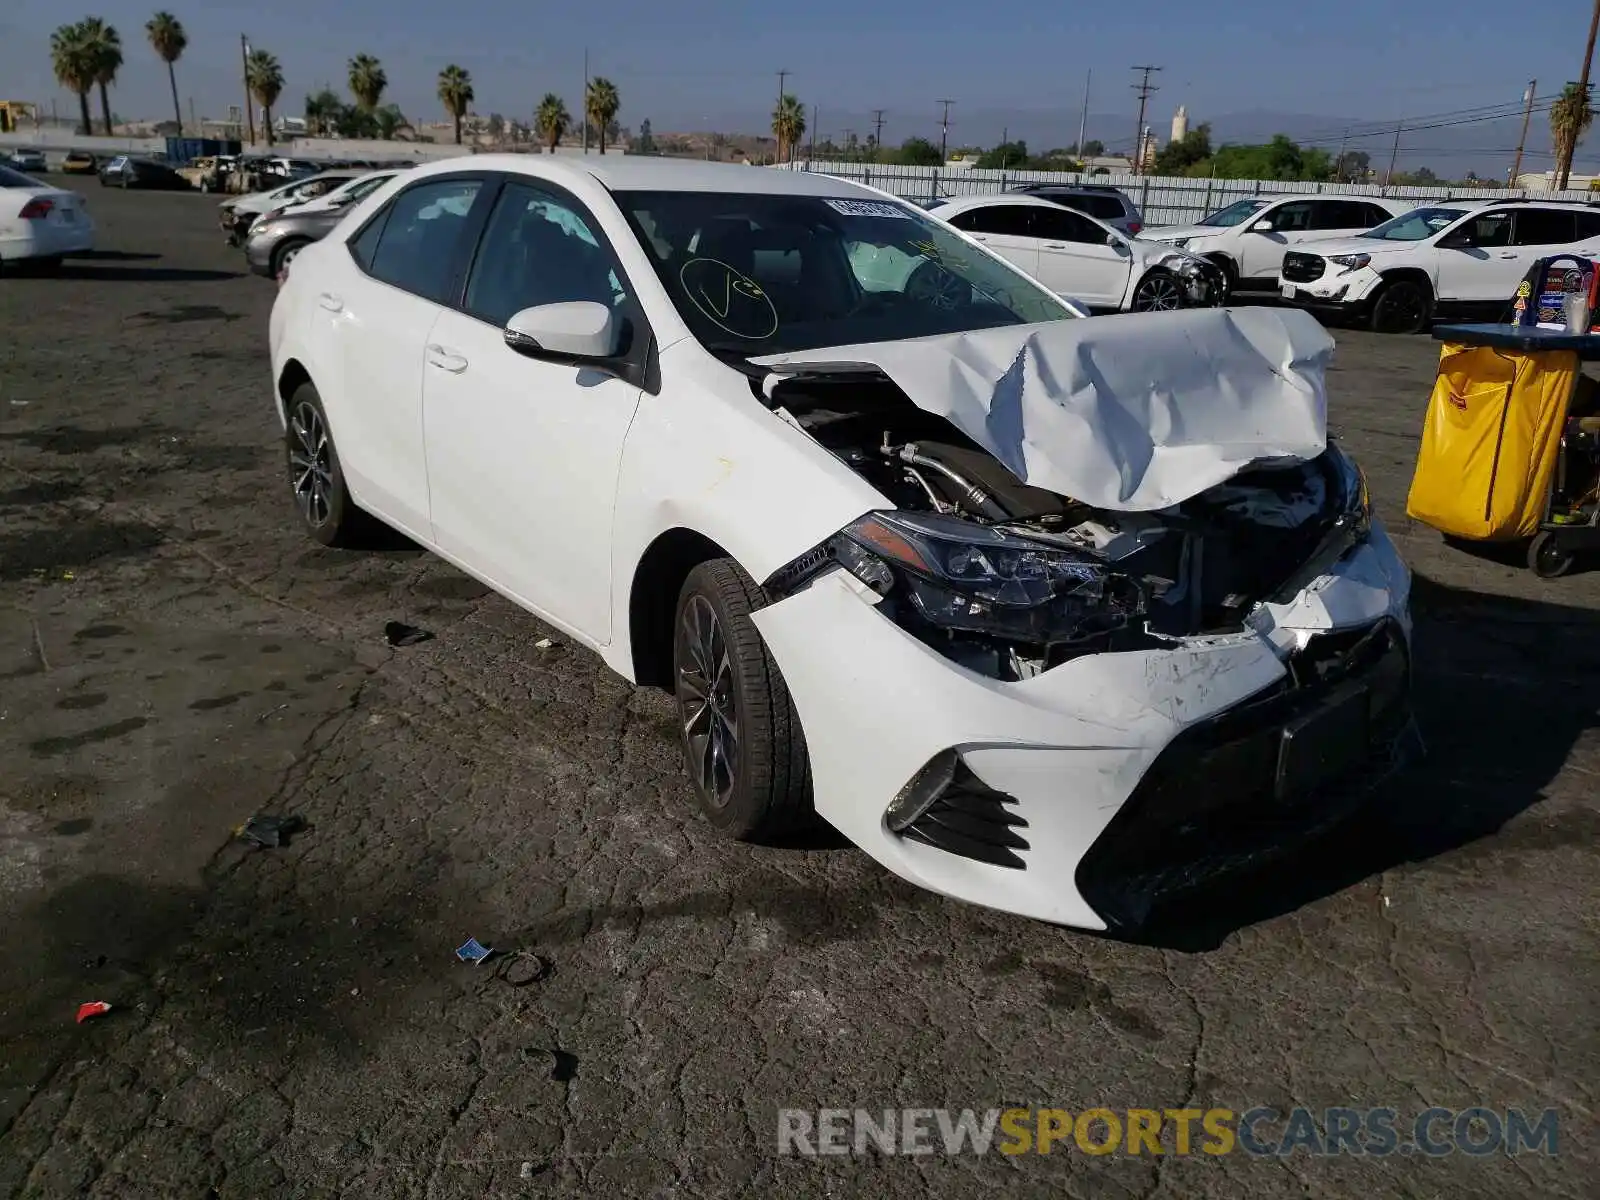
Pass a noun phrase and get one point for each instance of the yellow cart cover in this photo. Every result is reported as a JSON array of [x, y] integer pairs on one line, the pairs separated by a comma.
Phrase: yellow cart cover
[[1490, 440]]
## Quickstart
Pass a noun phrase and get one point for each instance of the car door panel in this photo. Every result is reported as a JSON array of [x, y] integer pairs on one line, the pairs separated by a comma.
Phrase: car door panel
[[1075, 259], [523, 453], [1487, 269], [1007, 229]]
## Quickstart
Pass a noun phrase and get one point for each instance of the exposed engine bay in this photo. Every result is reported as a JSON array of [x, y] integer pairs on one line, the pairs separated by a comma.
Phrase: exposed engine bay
[[1010, 580]]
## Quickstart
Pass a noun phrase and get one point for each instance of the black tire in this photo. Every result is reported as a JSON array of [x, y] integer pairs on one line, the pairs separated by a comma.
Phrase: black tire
[[1158, 291], [755, 786], [316, 481], [284, 251], [1230, 277], [1401, 306], [1547, 557]]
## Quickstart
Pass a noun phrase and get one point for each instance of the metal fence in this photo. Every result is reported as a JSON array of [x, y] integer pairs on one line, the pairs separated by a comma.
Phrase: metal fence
[[1164, 200]]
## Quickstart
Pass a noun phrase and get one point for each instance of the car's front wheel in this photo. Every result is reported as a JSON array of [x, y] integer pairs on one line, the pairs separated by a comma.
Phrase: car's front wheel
[[284, 253], [1402, 306], [315, 477], [1159, 291], [741, 736]]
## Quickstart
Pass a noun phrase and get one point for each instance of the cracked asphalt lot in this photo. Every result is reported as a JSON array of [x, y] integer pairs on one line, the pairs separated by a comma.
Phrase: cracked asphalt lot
[[175, 656]]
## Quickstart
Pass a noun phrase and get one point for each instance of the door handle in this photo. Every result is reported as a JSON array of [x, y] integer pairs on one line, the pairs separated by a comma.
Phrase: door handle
[[446, 360], [1508, 256], [330, 302], [1055, 245], [978, 237]]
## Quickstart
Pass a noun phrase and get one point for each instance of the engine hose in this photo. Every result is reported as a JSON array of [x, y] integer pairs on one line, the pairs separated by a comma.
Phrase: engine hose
[[975, 496]]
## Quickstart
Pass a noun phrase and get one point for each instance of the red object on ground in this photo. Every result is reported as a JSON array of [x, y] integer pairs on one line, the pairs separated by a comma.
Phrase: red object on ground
[[95, 1008]]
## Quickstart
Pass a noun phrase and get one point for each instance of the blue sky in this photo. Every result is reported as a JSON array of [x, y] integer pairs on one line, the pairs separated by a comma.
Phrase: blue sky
[[712, 63]]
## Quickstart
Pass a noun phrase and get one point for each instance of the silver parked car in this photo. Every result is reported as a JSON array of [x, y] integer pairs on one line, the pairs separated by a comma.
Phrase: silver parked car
[[273, 243]]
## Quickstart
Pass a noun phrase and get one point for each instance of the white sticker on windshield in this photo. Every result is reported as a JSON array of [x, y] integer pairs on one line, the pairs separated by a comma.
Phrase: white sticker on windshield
[[869, 208]]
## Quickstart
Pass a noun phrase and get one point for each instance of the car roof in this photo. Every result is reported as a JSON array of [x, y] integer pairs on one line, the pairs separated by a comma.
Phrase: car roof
[[961, 203], [643, 173]]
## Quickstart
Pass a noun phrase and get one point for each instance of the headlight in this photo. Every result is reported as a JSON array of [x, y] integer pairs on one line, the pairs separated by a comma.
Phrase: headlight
[[1180, 243], [1355, 502], [958, 575], [1350, 262]]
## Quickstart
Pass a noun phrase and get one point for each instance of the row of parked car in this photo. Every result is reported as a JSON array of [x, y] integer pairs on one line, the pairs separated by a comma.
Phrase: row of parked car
[[275, 225]]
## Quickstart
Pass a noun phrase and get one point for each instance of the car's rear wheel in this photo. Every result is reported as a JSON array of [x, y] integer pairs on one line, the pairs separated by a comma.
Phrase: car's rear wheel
[[284, 253], [741, 736], [316, 479], [1158, 291], [1401, 306]]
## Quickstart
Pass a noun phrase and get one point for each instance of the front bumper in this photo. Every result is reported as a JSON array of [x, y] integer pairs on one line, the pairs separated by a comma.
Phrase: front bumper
[[258, 254], [1086, 793], [1336, 291]]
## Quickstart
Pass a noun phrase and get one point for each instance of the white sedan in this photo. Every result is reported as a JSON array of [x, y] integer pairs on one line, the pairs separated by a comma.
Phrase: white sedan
[[1075, 255], [39, 223], [1039, 611]]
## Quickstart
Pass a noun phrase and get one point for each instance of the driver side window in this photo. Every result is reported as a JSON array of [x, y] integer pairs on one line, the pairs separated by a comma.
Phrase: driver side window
[[1292, 218], [1488, 230]]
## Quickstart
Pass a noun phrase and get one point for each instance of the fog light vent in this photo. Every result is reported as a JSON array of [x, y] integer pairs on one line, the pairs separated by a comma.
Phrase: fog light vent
[[921, 791]]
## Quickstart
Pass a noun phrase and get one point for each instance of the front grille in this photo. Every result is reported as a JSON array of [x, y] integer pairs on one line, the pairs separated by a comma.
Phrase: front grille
[[1303, 268], [972, 819], [1212, 801]]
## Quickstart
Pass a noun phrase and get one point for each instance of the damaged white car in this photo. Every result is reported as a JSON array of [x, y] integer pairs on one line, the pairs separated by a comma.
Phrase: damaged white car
[[1048, 614]]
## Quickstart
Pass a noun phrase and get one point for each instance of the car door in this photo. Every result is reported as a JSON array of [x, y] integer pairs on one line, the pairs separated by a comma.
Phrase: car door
[[1077, 259], [523, 453], [1540, 233], [1007, 229], [1261, 251], [375, 309], [1477, 261]]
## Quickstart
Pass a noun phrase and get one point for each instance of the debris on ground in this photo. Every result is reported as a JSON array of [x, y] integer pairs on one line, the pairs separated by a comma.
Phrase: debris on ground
[[522, 968], [398, 633], [269, 832], [544, 644], [473, 952], [94, 1008]]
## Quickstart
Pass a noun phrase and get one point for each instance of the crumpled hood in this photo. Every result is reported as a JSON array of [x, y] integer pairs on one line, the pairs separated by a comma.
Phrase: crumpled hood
[[1168, 233], [1133, 413], [1328, 247]]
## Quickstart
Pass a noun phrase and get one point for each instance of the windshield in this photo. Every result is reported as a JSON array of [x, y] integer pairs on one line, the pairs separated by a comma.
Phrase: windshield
[[1235, 214], [772, 274], [1415, 225]]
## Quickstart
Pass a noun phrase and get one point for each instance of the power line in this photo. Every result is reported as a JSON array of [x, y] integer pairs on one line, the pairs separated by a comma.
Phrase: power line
[[877, 127], [1145, 88]]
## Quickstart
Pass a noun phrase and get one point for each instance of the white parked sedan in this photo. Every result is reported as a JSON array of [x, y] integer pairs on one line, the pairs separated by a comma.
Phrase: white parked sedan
[[1075, 255], [1052, 615], [40, 223]]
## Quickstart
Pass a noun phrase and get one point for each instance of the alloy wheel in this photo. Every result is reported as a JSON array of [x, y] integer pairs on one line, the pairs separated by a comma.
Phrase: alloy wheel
[[311, 465], [707, 701], [1159, 293]]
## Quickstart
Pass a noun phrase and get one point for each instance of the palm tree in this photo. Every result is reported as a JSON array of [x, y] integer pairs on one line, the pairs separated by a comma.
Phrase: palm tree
[[788, 125], [106, 53], [601, 103], [455, 93], [391, 121], [322, 112], [265, 79], [169, 41], [367, 81], [551, 120], [1570, 117], [72, 59]]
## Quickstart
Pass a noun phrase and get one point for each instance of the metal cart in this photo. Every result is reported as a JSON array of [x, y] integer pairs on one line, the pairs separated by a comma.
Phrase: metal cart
[[1571, 520]]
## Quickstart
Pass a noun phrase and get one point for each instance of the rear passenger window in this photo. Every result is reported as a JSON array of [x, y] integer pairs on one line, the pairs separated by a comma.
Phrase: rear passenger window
[[1545, 227], [364, 243], [1376, 216], [1011, 220], [1338, 214], [1064, 225], [417, 249]]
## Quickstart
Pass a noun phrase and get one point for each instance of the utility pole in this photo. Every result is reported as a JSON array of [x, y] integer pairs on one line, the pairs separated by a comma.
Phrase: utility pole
[[1083, 117], [1394, 153], [777, 153], [944, 132], [877, 128], [812, 153], [1338, 163], [1144, 88], [1564, 167], [585, 100], [1527, 113], [244, 55]]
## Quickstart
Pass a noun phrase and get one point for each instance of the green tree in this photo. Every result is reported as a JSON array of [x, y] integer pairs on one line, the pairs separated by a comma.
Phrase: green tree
[[367, 81], [106, 54], [72, 60], [788, 126], [455, 93], [496, 126], [390, 121], [169, 41], [551, 120], [916, 152], [645, 143], [264, 77], [1092, 148], [1177, 157], [601, 104], [1351, 166], [322, 112], [1570, 118], [1006, 154]]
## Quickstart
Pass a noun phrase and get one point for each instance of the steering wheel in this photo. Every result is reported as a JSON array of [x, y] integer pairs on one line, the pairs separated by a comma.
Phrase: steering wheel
[[935, 286]]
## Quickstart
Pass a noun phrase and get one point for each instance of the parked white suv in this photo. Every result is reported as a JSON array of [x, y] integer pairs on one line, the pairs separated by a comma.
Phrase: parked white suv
[[1083, 259], [1441, 261], [1248, 238]]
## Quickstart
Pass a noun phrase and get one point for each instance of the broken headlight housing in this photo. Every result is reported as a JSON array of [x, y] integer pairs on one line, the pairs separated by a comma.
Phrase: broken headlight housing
[[961, 576]]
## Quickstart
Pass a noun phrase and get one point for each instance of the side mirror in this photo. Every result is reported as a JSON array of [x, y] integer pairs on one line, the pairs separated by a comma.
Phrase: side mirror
[[576, 330], [1261, 227], [1455, 241]]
